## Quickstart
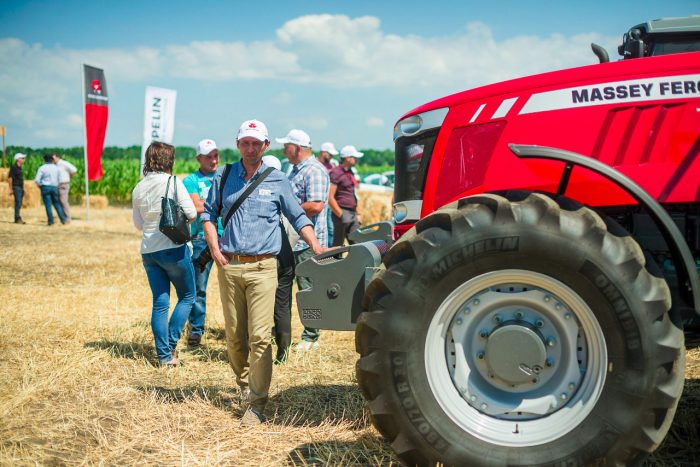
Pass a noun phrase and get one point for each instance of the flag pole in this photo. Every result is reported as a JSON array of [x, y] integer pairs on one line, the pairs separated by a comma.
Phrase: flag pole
[[87, 189]]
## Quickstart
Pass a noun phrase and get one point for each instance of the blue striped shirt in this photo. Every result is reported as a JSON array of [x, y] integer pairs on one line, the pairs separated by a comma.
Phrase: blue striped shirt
[[254, 229], [310, 182]]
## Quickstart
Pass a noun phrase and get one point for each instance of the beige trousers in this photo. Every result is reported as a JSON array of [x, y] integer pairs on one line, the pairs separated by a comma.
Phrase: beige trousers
[[248, 299], [63, 189]]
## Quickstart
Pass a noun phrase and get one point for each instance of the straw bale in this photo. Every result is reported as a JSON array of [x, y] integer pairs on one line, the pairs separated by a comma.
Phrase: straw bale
[[375, 206], [32, 195], [96, 202]]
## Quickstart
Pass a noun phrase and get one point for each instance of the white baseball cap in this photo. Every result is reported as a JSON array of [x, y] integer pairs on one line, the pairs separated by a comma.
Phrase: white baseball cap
[[329, 148], [350, 151], [19, 155], [271, 161], [254, 128], [205, 147], [298, 137]]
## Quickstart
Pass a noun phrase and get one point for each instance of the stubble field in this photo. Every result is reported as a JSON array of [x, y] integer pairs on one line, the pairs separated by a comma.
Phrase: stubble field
[[79, 383]]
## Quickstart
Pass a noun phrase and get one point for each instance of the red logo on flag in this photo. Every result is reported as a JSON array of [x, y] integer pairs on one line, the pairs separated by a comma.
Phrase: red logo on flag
[[96, 86], [252, 125]]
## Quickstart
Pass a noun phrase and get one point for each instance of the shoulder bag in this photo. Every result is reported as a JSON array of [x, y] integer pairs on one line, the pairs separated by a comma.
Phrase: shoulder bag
[[173, 222]]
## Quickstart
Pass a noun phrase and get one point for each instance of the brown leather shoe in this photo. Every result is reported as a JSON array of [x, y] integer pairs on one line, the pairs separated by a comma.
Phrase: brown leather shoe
[[253, 417], [193, 340]]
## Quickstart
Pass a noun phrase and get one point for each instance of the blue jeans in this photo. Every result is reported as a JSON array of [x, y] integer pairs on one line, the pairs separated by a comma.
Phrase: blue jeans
[[49, 194], [164, 267], [18, 193], [201, 278]]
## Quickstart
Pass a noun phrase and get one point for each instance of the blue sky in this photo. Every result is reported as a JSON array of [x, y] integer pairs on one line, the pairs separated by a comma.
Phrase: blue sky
[[343, 71]]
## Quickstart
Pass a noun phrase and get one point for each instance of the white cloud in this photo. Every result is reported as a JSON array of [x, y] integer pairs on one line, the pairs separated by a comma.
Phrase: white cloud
[[38, 85], [375, 121]]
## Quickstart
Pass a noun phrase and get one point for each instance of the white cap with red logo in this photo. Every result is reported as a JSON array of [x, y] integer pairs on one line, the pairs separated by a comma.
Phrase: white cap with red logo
[[254, 128], [205, 147]]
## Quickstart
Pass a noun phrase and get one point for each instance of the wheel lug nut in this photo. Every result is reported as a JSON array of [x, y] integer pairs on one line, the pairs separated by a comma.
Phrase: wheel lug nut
[[484, 406], [459, 321], [549, 362], [480, 355], [551, 341], [557, 306], [572, 386], [497, 318], [539, 323], [472, 398], [484, 333], [564, 396], [567, 316], [476, 301], [547, 298], [519, 314]]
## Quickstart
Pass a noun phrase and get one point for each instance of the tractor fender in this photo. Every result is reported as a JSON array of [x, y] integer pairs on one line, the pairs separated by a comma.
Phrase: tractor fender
[[682, 257]]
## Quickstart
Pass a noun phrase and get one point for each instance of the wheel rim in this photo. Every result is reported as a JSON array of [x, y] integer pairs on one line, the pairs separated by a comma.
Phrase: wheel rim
[[515, 358]]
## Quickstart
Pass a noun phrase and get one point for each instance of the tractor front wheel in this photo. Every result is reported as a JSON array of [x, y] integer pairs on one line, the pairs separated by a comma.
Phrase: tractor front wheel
[[519, 330]]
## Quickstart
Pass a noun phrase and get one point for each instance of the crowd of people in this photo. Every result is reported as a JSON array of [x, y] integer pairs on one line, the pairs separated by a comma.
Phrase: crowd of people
[[255, 222]]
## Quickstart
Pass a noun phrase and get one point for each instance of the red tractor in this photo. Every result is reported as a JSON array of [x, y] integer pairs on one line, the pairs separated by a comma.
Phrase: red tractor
[[547, 241]]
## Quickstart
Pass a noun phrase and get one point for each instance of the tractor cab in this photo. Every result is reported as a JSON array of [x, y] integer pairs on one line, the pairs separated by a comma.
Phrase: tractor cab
[[661, 37]]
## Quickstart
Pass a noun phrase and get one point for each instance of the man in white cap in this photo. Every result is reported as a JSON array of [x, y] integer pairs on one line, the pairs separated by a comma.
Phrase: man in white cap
[[325, 156], [285, 281], [246, 259], [16, 180], [198, 185], [343, 197], [310, 184]]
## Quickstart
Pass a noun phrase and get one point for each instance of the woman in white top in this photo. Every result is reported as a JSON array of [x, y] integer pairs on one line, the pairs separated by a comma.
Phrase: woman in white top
[[165, 262]]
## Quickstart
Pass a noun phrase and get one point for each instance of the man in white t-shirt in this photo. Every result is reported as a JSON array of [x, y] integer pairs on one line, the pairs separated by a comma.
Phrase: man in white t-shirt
[[67, 172]]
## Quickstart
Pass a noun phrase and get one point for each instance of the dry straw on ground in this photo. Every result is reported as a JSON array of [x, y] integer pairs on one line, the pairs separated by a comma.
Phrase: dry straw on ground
[[79, 382]]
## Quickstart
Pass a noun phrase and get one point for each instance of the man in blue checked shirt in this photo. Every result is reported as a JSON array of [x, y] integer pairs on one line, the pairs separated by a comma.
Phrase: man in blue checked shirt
[[246, 261], [310, 185]]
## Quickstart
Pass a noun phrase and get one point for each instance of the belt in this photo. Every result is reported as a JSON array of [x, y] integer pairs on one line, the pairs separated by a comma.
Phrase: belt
[[247, 258]]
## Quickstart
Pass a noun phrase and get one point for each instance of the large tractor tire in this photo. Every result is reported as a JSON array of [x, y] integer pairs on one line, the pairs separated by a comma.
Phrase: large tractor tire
[[519, 330]]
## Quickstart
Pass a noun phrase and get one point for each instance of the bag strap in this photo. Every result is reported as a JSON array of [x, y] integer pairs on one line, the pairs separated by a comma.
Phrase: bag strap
[[167, 187], [245, 194], [222, 184]]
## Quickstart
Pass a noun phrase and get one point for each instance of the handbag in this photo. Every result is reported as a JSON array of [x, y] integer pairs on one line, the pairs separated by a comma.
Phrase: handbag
[[173, 222]]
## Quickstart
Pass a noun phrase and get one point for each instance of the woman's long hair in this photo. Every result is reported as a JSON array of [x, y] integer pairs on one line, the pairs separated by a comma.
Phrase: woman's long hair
[[160, 157]]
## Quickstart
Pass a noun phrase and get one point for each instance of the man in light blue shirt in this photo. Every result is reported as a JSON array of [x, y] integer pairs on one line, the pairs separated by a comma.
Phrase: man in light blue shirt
[[246, 259], [198, 185], [47, 178]]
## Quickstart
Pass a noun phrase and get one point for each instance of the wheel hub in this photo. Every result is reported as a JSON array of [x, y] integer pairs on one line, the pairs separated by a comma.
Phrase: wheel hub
[[515, 354]]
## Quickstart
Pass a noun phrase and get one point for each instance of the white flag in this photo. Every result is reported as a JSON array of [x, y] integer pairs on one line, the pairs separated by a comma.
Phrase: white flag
[[159, 118]]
